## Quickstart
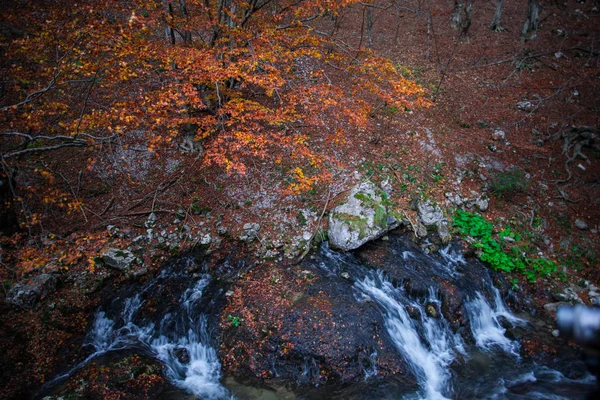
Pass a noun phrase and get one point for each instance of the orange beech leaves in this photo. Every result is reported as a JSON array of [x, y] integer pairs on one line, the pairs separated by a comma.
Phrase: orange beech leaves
[[251, 78]]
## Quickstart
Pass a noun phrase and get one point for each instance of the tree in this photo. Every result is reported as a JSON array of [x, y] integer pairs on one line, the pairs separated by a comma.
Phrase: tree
[[496, 26], [250, 77], [462, 16], [532, 22]]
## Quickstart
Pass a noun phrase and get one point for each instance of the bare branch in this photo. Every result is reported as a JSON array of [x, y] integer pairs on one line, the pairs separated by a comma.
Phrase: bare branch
[[42, 149]]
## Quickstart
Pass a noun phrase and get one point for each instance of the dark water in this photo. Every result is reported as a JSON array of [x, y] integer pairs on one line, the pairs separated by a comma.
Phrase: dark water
[[482, 361]]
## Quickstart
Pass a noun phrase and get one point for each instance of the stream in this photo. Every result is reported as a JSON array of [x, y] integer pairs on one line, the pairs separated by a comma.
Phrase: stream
[[173, 319]]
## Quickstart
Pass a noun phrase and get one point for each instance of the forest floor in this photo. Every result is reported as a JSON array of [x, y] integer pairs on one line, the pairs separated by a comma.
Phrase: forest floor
[[475, 80]]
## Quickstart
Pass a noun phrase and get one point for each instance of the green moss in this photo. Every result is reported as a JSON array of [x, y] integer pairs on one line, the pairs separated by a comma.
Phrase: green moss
[[355, 223]]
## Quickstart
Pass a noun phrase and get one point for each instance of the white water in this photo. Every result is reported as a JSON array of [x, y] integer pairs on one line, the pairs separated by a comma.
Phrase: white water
[[485, 323], [428, 345], [199, 375]]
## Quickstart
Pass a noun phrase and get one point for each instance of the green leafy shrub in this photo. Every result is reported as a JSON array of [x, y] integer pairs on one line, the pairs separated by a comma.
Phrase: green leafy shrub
[[509, 182], [495, 252], [233, 321]]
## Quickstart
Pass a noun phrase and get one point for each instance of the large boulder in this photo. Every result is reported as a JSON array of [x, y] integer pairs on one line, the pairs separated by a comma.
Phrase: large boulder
[[26, 294], [363, 216]]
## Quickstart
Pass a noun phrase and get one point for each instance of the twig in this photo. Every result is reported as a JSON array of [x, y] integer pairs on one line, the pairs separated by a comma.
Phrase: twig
[[74, 195], [133, 214], [110, 202]]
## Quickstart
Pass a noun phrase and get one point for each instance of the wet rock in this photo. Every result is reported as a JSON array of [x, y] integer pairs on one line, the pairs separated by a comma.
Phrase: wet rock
[[432, 311], [581, 224], [361, 218], [250, 232], [118, 259], [27, 294], [182, 354]]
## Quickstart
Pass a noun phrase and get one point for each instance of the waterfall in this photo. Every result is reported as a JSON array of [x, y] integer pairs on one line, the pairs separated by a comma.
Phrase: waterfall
[[426, 343], [180, 341]]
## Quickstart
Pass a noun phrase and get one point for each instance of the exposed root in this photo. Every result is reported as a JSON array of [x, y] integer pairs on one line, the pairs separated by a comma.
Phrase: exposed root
[[575, 141]]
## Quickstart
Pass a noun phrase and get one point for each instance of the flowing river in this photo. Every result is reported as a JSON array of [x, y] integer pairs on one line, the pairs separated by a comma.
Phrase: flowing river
[[483, 361]]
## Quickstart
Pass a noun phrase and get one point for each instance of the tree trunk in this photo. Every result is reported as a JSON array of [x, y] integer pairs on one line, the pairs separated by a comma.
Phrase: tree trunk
[[468, 17], [461, 19], [496, 26], [370, 26], [456, 21], [169, 31], [532, 23]]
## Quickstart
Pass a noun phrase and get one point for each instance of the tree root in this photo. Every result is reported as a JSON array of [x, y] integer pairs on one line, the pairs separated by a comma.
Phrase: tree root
[[574, 143]]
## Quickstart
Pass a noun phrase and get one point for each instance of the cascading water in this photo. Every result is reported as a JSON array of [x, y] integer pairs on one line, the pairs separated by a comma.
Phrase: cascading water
[[425, 342], [181, 340], [447, 361], [485, 323]]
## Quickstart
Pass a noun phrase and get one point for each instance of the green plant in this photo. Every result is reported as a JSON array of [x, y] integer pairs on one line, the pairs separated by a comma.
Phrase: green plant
[[301, 218], [234, 321], [495, 251], [508, 182]]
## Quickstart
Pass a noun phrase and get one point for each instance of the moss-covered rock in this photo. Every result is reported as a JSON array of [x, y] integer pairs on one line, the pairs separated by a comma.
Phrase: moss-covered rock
[[363, 216]]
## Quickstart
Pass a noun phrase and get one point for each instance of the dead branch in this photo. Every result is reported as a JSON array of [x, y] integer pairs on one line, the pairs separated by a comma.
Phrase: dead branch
[[308, 244]]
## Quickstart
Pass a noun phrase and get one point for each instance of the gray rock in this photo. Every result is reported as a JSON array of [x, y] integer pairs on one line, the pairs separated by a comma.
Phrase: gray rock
[[250, 232], [421, 230], [387, 187], [430, 214], [222, 230], [118, 259], [345, 275], [556, 333], [205, 240], [526, 106], [499, 135], [362, 217], [443, 231], [26, 294], [581, 224], [482, 203], [151, 221], [140, 272], [552, 307]]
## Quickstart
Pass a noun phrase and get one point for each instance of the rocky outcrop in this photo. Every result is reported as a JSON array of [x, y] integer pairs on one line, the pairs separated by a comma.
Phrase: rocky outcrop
[[27, 294], [362, 217]]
